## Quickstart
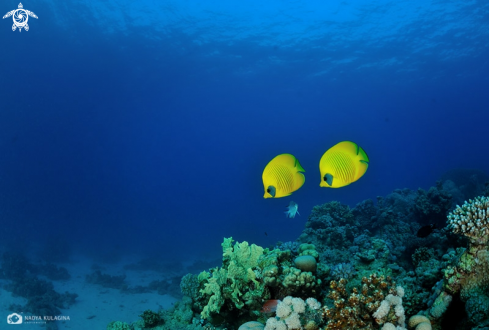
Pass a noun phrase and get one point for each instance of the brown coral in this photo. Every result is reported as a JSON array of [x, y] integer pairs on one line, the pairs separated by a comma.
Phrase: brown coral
[[354, 310]]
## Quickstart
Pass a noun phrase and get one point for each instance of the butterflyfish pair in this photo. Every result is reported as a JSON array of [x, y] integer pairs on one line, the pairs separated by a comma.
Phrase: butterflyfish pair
[[342, 164]]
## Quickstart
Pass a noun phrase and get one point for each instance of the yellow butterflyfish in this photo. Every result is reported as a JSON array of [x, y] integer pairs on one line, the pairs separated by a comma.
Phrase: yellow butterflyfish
[[282, 176], [342, 164]]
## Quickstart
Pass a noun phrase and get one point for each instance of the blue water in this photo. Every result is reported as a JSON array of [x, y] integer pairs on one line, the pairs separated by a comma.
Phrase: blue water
[[144, 126]]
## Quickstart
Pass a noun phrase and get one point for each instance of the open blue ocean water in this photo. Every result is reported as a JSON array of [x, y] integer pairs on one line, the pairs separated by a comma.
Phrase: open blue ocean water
[[143, 127]]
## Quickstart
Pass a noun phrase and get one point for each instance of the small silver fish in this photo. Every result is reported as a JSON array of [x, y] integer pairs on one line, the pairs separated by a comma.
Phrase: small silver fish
[[293, 209]]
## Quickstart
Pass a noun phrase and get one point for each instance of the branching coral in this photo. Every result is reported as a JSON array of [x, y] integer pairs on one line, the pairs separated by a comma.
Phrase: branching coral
[[472, 220]]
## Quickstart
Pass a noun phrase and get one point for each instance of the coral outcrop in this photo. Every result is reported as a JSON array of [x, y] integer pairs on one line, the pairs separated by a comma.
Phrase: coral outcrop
[[378, 301], [249, 276], [472, 220]]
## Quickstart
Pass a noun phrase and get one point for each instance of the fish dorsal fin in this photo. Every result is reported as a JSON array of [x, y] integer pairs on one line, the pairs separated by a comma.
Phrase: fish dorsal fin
[[347, 146], [363, 160], [363, 155], [299, 166], [285, 159]]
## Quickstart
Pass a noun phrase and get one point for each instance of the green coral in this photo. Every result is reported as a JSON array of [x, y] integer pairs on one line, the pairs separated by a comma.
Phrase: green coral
[[299, 283], [234, 283], [306, 249], [249, 276]]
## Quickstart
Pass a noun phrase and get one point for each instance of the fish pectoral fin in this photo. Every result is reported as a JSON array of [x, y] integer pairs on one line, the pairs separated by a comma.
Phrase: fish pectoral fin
[[298, 212], [328, 178]]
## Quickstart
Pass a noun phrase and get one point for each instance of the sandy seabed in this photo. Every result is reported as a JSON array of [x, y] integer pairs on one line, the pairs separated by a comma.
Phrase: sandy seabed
[[95, 306]]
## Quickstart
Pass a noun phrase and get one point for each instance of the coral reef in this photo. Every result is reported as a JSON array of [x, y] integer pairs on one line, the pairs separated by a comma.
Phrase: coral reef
[[467, 271], [249, 276], [377, 269], [432, 206], [331, 225]]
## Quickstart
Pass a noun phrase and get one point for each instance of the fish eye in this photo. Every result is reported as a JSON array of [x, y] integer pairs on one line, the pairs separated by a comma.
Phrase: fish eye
[[271, 190]]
